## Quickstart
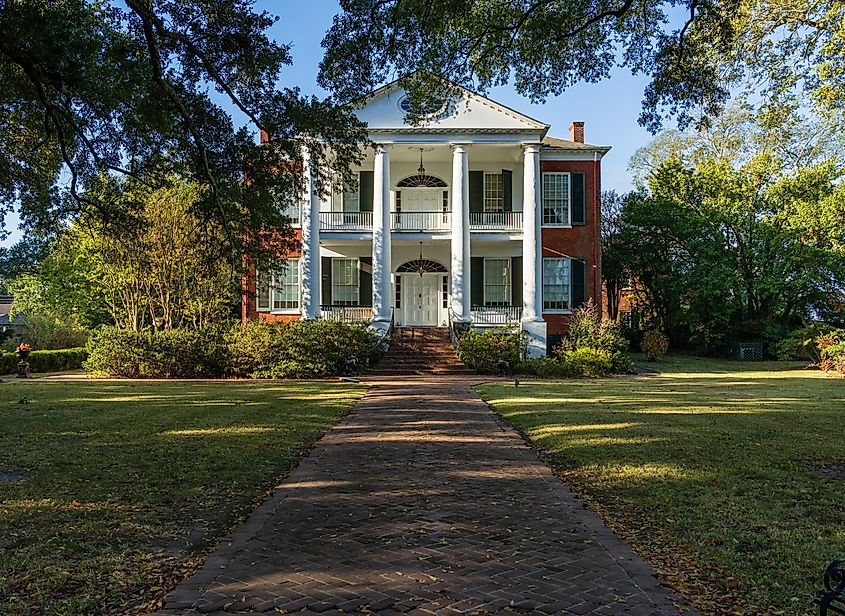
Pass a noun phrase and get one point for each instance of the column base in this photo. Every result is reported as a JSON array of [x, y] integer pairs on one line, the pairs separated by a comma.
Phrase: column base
[[535, 331]]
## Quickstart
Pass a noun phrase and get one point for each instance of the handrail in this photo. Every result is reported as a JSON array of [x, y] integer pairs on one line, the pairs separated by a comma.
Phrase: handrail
[[347, 314], [496, 315], [346, 221], [495, 221], [420, 221]]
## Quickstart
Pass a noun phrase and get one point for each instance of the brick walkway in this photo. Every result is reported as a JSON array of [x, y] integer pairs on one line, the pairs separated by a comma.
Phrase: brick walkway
[[420, 502]]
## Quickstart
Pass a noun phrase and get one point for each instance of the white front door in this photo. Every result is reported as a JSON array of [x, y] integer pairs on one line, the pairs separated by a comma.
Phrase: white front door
[[420, 297]]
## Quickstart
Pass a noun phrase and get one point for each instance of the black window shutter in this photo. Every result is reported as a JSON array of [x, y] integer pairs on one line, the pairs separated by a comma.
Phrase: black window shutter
[[579, 209], [365, 281], [365, 191], [507, 190], [516, 281], [326, 275], [579, 273], [476, 280], [476, 191]]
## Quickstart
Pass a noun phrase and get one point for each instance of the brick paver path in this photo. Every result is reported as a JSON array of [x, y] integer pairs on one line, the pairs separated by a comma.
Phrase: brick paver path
[[422, 502]]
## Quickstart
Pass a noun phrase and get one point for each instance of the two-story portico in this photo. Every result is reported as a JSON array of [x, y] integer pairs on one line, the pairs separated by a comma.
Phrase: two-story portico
[[475, 216]]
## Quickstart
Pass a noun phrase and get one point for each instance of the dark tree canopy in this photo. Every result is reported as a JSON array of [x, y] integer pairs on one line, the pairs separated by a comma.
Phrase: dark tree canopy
[[90, 88], [695, 51]]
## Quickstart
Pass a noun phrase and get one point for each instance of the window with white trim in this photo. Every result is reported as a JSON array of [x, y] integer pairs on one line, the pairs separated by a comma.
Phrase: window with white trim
[[556, 193], [497, 282], [351, 199], [286, 286], [345, 282], [556, 283], [493, 192]]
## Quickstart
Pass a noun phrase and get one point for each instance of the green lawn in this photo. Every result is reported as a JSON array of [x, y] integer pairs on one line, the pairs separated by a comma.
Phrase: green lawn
[[129, 484], [707, 469]]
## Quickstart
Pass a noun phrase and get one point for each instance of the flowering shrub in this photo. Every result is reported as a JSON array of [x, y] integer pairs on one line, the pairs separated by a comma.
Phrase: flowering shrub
[[802, 344], [832, 352], [654, 344], [23, 348]]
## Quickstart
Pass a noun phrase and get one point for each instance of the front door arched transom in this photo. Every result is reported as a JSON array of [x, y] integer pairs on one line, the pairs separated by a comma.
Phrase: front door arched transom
[[421, 266], [421, 181]]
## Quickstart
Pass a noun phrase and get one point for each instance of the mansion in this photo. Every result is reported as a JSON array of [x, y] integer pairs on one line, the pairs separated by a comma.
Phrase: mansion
[[476, 216]]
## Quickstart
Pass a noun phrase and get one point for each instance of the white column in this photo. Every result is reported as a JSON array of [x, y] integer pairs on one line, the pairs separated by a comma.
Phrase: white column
[[532, 258], [310, 262], [381, 236], [460, 234]]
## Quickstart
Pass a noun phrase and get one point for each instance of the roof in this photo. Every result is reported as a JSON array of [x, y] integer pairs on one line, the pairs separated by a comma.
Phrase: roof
[[527, 121], [553, 143]]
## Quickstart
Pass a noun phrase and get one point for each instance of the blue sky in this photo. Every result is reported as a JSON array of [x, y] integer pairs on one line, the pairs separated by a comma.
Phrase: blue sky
[[609, 108]]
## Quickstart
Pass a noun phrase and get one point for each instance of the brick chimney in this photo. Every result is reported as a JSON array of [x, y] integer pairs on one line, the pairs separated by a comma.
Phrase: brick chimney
[[576, 132], [264, 137]]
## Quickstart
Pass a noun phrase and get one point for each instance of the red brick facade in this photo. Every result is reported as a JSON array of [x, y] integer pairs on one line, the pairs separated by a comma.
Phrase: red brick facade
[[577, 241], [248, 308]]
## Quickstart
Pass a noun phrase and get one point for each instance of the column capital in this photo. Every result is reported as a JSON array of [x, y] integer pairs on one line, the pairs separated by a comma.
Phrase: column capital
[[460, 146], [382, 146], [531, 147]]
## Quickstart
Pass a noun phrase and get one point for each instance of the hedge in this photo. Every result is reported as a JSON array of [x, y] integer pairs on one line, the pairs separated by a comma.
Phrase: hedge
[[46, 361], [299, 349]]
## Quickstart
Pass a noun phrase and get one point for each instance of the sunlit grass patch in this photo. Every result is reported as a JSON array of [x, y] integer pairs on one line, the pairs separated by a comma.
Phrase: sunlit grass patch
[[704, 468], [125, 485]]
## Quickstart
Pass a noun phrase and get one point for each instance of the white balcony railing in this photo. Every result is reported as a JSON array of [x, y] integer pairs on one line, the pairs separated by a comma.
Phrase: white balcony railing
[[496, 315], [346, 221], [495, 221], [419, 221], [347, 314]]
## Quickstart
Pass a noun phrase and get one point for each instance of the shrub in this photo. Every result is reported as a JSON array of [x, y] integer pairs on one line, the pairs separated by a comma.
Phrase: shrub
[[588, 362], [45, 361], [801, 344], [654, 344], [482, 350], [547, 367], [302, 349], [832, 352], [178, 353], [587, 330]]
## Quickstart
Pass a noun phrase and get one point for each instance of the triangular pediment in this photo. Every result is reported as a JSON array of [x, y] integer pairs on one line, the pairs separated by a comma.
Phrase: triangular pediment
[[383, 110]]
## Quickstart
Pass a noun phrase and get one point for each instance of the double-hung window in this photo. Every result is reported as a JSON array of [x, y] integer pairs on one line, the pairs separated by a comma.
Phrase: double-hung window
[[278, 290], [345, 282], [351, 199], [556, 193], [286, 286], [493, 192], [557, 285], [497, 282]]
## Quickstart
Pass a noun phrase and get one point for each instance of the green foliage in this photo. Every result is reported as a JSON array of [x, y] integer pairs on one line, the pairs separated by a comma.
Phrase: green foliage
[[483, 349], [544, 47], [302, 349], [24, 256], [654, 344], [588, 362], [547, 367], [724, 251], [299, 349], [45, 361], [801, 344], [178, 353], [831, 347], [92, 88], [588, 330]]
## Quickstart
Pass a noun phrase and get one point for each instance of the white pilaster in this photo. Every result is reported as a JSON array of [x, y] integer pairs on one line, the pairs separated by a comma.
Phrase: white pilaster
[[381, 236], [310, 262], [532, 258], [460, 269]]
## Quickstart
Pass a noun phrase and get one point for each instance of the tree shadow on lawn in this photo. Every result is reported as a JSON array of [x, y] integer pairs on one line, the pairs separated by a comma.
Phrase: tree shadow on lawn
[[707, 474]]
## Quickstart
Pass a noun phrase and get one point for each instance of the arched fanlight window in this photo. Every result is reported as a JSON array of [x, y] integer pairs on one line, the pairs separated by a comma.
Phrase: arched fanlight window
[[421, 181], [421, 266]]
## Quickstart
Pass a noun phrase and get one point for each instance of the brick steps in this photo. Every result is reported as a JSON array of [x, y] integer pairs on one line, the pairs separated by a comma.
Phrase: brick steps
[[420, 351]]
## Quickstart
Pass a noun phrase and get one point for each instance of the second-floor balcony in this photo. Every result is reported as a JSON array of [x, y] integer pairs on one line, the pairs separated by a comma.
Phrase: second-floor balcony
[[416, 222]]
